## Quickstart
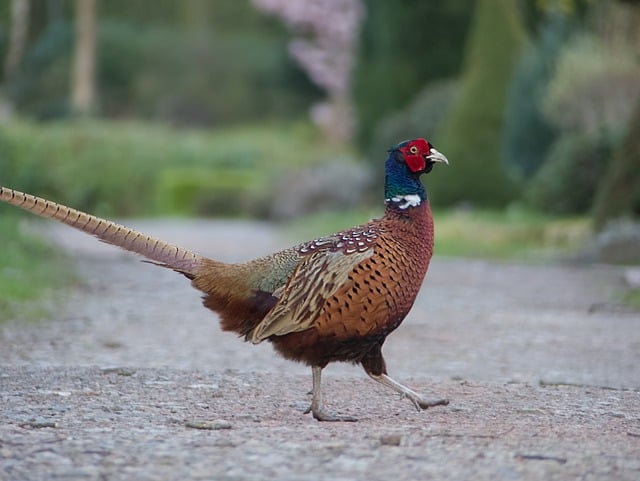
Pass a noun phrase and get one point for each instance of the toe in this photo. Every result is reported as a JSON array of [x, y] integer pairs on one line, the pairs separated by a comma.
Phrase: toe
[[429, 403], [322, 415]]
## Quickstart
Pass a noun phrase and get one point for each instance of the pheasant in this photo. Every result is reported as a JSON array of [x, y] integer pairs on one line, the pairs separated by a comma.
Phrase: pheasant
[[335, 298]]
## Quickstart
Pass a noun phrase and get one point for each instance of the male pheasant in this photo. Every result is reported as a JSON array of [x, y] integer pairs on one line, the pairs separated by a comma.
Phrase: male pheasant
[[335, 298]]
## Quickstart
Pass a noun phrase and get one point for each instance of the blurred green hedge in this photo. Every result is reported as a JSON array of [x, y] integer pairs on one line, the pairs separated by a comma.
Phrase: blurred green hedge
[[158, 71], [132, 169], [568, 181], [471, 134]]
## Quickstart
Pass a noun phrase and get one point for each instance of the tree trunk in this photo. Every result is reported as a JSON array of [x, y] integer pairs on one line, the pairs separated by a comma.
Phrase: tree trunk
[[17, 37], [619, 194], [83, 88], [15, 51]]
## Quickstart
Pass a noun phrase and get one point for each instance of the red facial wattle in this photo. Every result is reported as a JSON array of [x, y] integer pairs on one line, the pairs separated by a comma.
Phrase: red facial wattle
[[415, 162], [415, 154]]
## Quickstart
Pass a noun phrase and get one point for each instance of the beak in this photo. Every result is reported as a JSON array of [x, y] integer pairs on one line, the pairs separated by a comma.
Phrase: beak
[[435, 156]]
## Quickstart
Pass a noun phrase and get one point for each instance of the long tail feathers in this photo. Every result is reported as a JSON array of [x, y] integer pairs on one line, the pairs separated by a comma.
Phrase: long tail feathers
[[158, 251]]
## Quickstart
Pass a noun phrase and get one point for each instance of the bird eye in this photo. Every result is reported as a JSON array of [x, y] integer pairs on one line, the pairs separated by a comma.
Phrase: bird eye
[[413, 149]]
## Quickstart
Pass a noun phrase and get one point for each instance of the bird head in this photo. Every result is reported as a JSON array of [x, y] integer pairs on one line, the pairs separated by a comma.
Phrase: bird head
[[419, 155], [405, 163]]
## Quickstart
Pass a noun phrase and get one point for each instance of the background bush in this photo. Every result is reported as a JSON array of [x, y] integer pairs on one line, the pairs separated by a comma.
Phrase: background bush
[[422, 118], [567, 183], [528, 134], [40, 87], [149, 68], [128, 169], [471, 136], [594, 87], [404, 46], [619, 195]]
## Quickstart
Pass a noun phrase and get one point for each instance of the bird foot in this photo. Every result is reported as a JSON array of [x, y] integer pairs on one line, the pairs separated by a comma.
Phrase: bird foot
[[421, 403], [418, 401], [321, 414], [317, 406]]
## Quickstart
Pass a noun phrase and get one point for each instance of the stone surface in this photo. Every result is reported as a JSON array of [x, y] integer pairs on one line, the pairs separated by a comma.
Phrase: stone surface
[[133, 380]]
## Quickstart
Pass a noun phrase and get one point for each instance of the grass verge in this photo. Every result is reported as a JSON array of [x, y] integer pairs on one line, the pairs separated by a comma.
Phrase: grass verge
[[631, 298], [30, 270]]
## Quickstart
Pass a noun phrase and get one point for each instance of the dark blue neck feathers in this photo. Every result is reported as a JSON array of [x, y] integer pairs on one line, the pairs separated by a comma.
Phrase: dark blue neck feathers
[[399, 180]]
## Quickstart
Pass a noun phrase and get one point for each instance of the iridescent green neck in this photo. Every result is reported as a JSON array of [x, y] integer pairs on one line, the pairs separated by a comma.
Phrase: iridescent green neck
[[402, 187]]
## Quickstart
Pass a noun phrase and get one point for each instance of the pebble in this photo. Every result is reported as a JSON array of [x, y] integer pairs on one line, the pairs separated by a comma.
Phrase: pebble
[[391, 439], [214, 425]]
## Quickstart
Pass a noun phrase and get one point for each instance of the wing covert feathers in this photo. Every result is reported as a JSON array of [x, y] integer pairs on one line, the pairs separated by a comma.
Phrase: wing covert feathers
[[163, 253], [315, 279]]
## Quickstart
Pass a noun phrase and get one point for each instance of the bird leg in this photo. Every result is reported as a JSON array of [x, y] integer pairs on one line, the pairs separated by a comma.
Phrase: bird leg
[[317, 405], [417, 400]]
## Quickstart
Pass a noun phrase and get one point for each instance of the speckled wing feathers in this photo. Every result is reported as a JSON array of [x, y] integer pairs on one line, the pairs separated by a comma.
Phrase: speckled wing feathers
[[325, 266], [316, 278]]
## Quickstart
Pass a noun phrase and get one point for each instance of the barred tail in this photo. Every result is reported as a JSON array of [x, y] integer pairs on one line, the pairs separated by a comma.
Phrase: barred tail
[[165, 254]]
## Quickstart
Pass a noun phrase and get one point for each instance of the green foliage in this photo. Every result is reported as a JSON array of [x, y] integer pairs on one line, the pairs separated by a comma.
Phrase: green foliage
[[587, 99], [211, 78], [593, 85], [527, 133], [28, 269], [40, 88], [619, 192], [471, 137], [404, 45], [229, 65], [219, 192], [422, 118], [566, 184], [4, 38], [507, 234], [120, 55], [631, 298], [96, 166], [128, 169]]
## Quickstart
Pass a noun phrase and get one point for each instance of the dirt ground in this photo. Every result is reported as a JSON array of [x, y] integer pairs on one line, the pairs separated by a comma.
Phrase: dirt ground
[[133, 380]]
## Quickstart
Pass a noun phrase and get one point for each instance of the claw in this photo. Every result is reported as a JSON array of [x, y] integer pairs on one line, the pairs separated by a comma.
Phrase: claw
[[407, 393]]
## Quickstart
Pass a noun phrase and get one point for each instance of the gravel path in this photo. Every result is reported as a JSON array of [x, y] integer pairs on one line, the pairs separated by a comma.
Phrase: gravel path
[[133, 379]]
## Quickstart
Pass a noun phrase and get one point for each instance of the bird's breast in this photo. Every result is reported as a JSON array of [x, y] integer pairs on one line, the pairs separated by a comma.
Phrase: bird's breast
[[381, 289]]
